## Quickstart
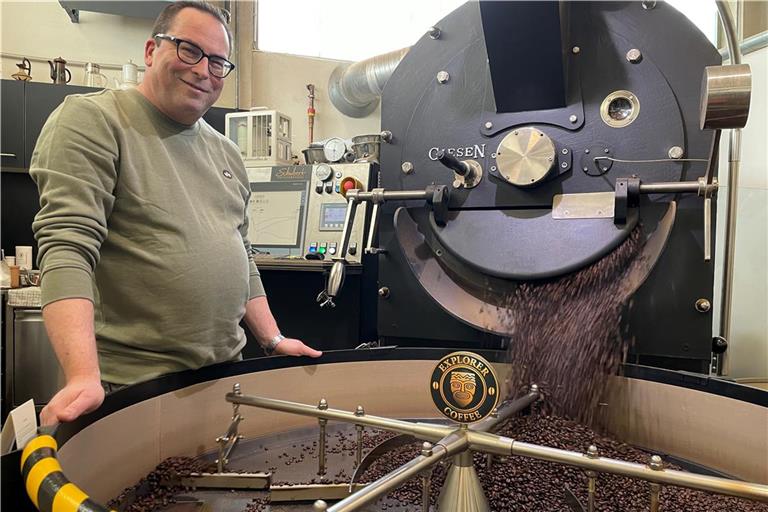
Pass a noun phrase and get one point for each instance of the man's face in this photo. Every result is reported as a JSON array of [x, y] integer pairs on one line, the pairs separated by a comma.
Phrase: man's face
[[184, 92]]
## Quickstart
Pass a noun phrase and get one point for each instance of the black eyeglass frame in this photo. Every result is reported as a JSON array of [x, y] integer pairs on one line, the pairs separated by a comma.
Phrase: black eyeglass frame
[[177, 41]]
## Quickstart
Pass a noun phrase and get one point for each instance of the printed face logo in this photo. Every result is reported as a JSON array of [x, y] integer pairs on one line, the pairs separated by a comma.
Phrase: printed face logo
[[463, 386]]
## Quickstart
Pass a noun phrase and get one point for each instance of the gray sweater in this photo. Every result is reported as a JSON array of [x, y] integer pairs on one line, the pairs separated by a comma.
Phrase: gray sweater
[[147, 218]]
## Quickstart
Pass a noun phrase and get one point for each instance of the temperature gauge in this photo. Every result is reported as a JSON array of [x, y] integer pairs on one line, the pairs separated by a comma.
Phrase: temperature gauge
[[334, 149], [323, 172]]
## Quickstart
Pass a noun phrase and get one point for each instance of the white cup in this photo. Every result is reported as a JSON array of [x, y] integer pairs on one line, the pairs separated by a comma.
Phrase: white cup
[[24, 256]]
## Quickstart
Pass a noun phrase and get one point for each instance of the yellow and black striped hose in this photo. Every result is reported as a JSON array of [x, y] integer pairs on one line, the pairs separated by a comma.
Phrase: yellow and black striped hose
[[47, 487]]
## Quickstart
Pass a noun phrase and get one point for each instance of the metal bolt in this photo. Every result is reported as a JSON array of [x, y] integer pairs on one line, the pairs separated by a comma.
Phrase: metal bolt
[[319, 506], [586, 151], [564, 165], [426, 449], [649, 4], [573, 118], [407, 167], [564, 151], [236, 389], [585, 169], [493, 167], [703, 305], [575, 50], [384, 292], [488, 125], [656, 463], [634, 56], [675, 152], [359, 411], [534, 388], [386, 136], [604, 169], [323, 405], [456, 183], [493, 155], [606, 151], [549, 158], [592, 452], [443, 77], [434, 32]]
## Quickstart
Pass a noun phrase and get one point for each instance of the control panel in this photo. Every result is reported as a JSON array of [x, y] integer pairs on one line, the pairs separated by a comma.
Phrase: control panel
[[299, 211], [328, 207]]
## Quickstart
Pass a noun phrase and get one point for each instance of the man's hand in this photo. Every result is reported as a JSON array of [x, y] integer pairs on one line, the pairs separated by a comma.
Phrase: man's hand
[[294, 347], [80, 396]]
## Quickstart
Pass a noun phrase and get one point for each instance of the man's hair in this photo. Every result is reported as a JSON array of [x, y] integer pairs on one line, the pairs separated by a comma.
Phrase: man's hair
[[166, 17]]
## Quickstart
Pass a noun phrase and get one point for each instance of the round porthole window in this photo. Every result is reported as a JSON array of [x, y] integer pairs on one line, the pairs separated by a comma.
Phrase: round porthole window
[[619, 109]]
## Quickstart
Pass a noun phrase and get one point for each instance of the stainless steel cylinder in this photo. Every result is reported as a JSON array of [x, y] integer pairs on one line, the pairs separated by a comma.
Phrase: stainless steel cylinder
[[725, 96]]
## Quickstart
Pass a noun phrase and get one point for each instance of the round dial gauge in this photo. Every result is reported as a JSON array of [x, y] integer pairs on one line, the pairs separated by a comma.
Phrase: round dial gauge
[[323, 172], [334, 149]]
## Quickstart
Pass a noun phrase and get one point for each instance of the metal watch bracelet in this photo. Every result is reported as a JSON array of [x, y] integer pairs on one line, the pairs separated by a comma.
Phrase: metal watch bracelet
[[269, 348]]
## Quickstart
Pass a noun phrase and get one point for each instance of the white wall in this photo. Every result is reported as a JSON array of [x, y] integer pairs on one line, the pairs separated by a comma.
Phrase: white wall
[[280, 81], [42, 30], [748, 350]]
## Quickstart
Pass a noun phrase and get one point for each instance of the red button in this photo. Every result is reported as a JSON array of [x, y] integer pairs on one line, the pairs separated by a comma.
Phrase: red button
[[348, 185]]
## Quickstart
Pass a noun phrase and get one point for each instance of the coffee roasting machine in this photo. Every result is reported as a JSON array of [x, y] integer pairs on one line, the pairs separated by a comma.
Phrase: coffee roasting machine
[[524, 141]]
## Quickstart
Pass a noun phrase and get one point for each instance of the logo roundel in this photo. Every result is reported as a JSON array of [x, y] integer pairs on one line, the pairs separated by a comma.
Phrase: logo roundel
[[464, 387]]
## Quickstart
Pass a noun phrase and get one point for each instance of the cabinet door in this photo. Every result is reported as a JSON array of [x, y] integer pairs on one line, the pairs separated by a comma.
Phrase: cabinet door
[[12, 135], [40, 100]]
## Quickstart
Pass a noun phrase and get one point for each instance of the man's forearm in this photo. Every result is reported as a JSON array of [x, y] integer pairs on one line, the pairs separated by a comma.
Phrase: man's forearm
[[69, 323], [259, 319]]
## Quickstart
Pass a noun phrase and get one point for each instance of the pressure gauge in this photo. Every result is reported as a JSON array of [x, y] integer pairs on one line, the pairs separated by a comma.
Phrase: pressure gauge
[[334, 149], [323, 172]]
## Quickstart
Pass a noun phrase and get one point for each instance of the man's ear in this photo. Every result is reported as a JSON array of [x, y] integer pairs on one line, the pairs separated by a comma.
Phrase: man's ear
[[149, 51]]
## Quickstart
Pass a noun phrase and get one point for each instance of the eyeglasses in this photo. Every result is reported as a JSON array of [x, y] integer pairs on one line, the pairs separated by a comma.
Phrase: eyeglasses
[[190, 53]]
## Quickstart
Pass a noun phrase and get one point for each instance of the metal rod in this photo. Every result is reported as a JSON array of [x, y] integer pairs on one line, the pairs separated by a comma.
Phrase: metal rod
[[346, 231], [372, 229], [321, 446], [731, 210], [655, 492], [507, 411], [391, 195], [455, 442], [426, 481], [670, 188], [664, 476], [359, 450], [424, 431]]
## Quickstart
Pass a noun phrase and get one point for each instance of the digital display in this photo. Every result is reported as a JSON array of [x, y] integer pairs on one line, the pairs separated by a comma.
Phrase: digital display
[[332, 216]]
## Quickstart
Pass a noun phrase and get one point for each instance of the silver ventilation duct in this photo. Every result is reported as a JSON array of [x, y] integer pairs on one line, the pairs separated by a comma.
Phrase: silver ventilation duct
[[355, 88]]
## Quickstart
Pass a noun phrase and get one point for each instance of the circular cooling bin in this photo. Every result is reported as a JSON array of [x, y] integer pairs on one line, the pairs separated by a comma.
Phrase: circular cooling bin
[[717, 424]]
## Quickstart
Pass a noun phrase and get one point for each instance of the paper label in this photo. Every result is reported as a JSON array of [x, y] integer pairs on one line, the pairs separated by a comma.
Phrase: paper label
[[20, 426]]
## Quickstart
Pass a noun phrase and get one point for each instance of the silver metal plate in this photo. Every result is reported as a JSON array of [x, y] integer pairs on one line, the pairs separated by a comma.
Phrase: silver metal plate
[[590, 205]]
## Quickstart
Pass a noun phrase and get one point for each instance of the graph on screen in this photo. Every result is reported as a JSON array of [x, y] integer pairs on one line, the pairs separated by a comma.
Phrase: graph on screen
[[275, 217]]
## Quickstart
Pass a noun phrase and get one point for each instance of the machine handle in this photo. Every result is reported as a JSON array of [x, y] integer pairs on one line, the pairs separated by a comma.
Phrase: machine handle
[[46, 485], [453, 163]]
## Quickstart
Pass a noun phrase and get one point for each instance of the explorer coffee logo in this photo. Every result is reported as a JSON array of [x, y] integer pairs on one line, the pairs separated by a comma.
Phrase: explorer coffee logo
[[464, 387]]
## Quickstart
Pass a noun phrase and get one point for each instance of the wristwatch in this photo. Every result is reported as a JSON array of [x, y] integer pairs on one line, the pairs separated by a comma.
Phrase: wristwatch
[[269, 348]]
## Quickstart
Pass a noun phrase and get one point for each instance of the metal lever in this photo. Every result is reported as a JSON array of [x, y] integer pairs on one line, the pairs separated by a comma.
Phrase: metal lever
[[336, 277], [469, 173], [369, 249]]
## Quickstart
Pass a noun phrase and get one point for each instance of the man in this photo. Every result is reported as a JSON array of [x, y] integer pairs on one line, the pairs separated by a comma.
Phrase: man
[[142, 231]]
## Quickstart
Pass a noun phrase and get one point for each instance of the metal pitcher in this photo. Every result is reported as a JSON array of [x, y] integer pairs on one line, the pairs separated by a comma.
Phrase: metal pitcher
[[25, 68], [59, 72]]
